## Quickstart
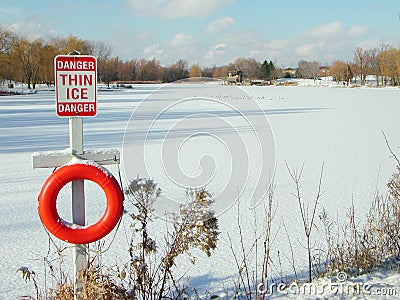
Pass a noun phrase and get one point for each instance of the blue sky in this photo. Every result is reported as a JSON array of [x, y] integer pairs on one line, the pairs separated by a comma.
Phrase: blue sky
[[212, 32]]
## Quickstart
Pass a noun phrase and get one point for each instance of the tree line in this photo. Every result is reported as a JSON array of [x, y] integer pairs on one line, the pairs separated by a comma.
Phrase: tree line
[[382, 62], [31, 62]]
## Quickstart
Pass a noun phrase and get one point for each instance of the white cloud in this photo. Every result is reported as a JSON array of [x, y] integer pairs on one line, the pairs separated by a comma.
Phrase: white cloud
[[215, 52], [369, 44], [220, 47], [307, 50], [181, 40], [174, 9], [143, 7], [153, 51], [357, 31], [180, 46], [325, 31], [220, 24], [141, 37], [31, 29], [324, 43], [334, 31], [276, 44]]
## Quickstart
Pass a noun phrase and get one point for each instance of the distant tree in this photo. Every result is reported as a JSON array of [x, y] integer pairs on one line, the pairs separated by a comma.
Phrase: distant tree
[[278, 73], [209, 71], [127, 70], [382, 48], [340, 71], [360, 63], [103, 53], [389, 61], [71, 43], [30, 57], [180, 69], [148, 70], [112, 66], [101, 50], [221, 72], [176, 71], [7, 41], [249, 66], [267, 70], [195, 71], [46, 71], [372, 63], [308, 69]]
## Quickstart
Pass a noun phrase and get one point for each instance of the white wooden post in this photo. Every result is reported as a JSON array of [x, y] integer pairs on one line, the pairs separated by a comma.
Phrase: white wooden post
[[78, 205], [51, 159]]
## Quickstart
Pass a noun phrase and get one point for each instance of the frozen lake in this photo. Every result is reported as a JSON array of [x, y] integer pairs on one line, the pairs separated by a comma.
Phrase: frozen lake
[[340, 127]]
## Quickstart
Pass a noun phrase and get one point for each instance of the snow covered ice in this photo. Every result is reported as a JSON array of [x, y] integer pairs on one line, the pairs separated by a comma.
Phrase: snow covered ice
[[340, 127]]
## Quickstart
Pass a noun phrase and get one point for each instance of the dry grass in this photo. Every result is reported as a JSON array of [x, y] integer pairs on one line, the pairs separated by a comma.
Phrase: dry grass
[[357, 248], [351, 246], [148, 275]]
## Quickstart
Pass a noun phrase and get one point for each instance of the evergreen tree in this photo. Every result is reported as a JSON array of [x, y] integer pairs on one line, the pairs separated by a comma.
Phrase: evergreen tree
[[271, 70], [267, 70]]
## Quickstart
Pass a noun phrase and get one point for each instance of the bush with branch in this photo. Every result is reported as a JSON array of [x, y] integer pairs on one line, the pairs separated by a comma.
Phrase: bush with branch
[[149, 273]]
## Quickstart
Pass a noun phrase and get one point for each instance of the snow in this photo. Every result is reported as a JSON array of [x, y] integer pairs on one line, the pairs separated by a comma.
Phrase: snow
[[382, 283], [340, 127], [78, 161]]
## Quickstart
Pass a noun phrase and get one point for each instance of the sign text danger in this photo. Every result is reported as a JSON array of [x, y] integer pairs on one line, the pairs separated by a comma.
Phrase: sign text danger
[[76, 78], [76, 65]]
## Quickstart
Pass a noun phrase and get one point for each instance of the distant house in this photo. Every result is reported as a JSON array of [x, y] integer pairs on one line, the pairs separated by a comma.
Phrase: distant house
[[323, 71], [235, 76], [289, 71]]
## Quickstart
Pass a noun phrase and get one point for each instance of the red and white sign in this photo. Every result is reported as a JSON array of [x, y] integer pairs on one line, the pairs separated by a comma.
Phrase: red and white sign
[[76, 85]]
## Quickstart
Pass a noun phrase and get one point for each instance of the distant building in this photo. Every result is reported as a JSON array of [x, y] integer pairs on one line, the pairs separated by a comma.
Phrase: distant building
[[323, 71], [235, 76], [289, 71]]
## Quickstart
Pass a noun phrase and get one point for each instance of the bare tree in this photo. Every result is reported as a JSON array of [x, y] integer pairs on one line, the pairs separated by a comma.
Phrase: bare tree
[[250, 67], [110, 70], [382, 48], [372, 63], [148, 70], [389, 61], [306, 216], [103, 54], [176, 71], [340, 71], [127, 70], [7, 40], [101, 50], [308, 69], [195, 71], [71, 43], [360, 62], [30, 57]]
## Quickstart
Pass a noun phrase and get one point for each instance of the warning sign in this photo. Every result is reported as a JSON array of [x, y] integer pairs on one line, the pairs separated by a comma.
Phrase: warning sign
[[76, 85]]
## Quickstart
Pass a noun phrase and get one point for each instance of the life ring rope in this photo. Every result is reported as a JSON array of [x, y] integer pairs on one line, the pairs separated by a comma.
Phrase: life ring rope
[[72, 233]]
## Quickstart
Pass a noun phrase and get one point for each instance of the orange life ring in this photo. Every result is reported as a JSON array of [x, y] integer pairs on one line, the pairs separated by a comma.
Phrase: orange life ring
[[74, 233]]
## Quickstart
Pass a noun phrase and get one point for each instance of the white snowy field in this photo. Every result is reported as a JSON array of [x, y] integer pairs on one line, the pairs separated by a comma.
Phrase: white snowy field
[[338, 127]]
